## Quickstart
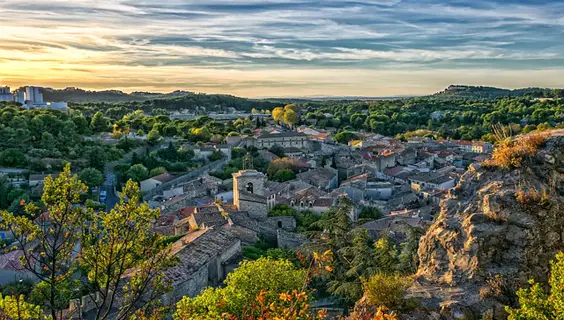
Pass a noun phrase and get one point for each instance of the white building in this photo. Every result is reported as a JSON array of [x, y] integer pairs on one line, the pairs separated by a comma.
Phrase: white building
[[5, 94], [153, 182], [33, 95]]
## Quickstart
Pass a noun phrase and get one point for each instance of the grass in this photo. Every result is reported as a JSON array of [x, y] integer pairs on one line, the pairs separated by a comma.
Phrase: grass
[[510, 153]]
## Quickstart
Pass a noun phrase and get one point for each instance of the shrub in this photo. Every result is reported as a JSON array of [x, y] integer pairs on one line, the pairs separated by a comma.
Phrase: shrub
[[536, 303], [532, 197], [386, 290], [509, 153], [495, 287]]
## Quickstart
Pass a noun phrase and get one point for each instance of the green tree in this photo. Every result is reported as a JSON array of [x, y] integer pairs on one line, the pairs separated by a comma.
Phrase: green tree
[[58, 230], [91, 177], [154, 136], [157, 171], [535, 303], [99, 123], [281, 210], [345, 136], [370, 213], [114, 251], [3, 191], [284, 175], [138, 173], [383, 290], [242, 287], [12, 158], [278, 114], [291, 117], [16, 308]]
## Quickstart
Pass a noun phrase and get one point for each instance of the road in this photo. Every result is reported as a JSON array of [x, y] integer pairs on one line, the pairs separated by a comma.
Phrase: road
[[109, 186]]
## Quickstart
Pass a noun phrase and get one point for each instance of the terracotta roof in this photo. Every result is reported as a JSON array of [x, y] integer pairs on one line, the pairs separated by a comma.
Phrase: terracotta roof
[[195, 250], [394, 171], [165, 177], [210, 219], [186, 212], [11, 260], [208, 208], [323, 202]]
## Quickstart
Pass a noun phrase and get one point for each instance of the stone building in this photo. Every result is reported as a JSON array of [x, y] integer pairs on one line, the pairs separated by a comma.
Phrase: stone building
[[205, 257], [249, 193], [285, 140]]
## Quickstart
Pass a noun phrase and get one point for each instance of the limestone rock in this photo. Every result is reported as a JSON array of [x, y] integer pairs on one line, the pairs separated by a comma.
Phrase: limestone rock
[[485, 244]]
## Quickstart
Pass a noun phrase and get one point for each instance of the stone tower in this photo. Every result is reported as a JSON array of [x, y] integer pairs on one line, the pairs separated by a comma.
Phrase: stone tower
[[248, 193]]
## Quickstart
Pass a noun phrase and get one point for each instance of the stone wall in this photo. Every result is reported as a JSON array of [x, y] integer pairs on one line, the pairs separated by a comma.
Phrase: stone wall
[[289, 240], [190, 288], [287, 223], [256, 209]]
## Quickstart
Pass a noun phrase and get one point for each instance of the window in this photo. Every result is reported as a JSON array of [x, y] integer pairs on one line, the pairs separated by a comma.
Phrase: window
[[301, 204], [250, 187], [279, 224]]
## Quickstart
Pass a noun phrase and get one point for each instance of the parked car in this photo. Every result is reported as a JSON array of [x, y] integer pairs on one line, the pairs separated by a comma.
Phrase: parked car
[[103, 195]]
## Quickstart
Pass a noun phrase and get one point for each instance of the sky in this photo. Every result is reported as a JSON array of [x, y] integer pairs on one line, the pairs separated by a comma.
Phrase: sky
[[282, 48]]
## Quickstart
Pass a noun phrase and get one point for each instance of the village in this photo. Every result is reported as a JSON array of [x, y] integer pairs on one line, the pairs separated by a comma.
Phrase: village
[[212, 219]]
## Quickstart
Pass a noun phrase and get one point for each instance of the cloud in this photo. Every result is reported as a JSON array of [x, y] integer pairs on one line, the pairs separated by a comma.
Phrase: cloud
[[272, 35]]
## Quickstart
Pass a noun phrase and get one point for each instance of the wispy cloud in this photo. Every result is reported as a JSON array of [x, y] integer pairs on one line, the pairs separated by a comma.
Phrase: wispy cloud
[[111, 40]]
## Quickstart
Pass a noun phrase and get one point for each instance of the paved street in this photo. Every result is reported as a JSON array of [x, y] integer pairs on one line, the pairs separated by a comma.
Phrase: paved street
[[111, 199]]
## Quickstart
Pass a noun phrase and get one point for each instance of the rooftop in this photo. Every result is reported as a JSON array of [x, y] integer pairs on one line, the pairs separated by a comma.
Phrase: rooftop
[[195, 249], [282, 134], [165, 177]]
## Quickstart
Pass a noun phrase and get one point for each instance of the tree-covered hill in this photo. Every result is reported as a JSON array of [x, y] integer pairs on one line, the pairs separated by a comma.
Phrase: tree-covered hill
[[482, 92], [80, 95]]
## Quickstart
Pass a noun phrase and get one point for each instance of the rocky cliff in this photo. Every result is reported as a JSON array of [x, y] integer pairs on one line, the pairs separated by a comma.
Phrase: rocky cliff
[[497, 229]]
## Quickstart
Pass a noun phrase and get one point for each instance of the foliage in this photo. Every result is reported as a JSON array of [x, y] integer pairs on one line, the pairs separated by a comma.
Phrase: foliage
[[281, 210], [113, 252], [535, 303], [281, 164], [12, 158], [291, 117], [91, 177], [157, 171], [284, 175], [386, 290], [118, 250], [370, 213], [15, 308], [58, 232], [138, 173], [4, 187], [345, 136], [264, 277], [510, 153], [357, 256], [305, 220], [64, 292]]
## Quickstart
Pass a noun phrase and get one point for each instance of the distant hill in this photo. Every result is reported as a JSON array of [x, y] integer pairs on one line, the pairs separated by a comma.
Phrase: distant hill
[[79, 95], [481, 92]]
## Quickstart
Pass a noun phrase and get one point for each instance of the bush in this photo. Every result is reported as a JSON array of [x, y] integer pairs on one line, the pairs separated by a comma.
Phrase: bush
[[532, 197], [95, 205], [535, 303], [510, 153], [386, 290], [282, 210], [252, 252], [370, 213]]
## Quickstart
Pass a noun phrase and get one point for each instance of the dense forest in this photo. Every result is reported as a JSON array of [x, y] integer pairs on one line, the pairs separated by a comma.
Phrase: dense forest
[[454, 118]]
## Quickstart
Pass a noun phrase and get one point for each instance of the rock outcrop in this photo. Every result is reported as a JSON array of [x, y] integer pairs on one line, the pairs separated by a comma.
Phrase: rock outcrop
[[497, 229]]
